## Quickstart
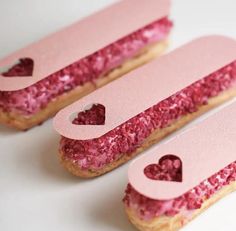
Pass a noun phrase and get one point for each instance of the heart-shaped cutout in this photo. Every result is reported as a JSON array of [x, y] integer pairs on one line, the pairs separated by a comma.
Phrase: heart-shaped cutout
[[95, 114], [23, 68], [169, 168]]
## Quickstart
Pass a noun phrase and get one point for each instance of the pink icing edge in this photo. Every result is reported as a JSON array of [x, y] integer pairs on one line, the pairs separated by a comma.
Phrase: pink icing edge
[[96, 153], [30, 100]]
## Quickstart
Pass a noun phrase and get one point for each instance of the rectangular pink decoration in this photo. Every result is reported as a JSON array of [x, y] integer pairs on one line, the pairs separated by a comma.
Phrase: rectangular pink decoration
[[83, 38], [148, 85], [204, 150]]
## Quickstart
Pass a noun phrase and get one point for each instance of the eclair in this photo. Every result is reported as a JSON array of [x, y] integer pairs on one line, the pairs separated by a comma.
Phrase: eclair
[[112, 125], [58, 70], [175, 182]]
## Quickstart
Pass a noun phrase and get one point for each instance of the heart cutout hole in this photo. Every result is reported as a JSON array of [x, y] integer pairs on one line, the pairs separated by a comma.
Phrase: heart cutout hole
[[168, 168], [94, 114], [22, 68]]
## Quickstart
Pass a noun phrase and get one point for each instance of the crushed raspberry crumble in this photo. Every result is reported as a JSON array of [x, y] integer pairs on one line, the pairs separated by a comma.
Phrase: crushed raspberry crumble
[[23, 68], [32, 99], [169, 168], [93, 116]]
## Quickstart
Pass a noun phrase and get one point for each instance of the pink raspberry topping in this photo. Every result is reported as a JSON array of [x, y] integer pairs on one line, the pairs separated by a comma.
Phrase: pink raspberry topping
[[169, 168], [147, 208], [32, 99], [93, 116], [123, 140], [23, 68]]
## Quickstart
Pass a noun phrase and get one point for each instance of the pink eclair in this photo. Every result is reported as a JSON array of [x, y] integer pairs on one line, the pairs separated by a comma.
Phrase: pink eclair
[[75, 61], [133, 113], [172, 184]]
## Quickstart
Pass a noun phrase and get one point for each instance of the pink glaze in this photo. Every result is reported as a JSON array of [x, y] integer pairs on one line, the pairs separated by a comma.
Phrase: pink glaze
[[36, 97], [126, 138], [147, 208]]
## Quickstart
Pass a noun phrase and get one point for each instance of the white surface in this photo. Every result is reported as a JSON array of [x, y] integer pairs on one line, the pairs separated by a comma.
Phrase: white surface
[[35, 192]]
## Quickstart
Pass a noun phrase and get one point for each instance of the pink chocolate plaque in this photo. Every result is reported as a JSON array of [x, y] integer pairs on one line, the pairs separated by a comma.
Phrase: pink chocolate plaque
[[204, 150], [144, 87], [82, 39]]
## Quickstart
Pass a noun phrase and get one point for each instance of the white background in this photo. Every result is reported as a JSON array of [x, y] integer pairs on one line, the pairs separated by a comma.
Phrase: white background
[[35, 192]]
